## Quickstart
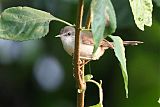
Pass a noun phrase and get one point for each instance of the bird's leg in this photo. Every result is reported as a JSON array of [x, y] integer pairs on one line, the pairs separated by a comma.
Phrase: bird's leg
[[84, 62], [82, 65], [81, 62]]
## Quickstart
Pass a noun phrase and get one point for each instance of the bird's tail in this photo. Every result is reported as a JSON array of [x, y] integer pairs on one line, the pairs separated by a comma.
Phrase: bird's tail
[[131, 42], [106, 44]]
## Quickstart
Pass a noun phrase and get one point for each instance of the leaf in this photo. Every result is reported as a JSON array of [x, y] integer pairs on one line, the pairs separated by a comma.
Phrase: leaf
[[159, 101], [97, 105], [111, 23], [102, 14], [120, 54], [88, 77], [142, 11], [157, 2], [25, 23], [98, 21]]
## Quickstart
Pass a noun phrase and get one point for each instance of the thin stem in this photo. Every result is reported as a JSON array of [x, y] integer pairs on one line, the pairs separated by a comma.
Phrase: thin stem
[[57, 19], [78, 73], [88, 21], [100, 89]]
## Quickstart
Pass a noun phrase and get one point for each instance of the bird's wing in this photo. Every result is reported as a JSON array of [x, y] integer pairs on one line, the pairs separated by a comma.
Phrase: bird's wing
[[87, 39]]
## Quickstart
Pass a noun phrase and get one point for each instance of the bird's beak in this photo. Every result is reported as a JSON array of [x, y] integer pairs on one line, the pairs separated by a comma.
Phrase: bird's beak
[[58, 36]]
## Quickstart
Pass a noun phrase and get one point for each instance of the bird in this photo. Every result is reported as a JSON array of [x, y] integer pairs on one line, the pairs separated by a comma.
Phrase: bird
[[67, 36]]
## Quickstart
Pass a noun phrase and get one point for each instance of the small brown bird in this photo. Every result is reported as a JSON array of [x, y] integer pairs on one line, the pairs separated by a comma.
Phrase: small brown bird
[[67, 35]]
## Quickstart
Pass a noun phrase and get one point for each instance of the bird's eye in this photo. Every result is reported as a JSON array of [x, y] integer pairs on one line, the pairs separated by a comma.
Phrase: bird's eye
[[69, 33]]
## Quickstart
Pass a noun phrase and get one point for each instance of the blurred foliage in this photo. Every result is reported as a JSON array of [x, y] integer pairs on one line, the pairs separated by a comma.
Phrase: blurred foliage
[[157, 2], [18, 85]]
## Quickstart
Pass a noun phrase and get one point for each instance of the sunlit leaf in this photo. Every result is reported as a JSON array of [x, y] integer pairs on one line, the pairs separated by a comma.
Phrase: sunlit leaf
[[120, 54], [142, 11], [24, 23], [88, 77], [97, 105], [159, 101]]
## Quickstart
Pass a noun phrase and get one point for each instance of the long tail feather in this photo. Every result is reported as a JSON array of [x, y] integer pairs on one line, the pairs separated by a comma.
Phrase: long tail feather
[[107, 44], [132, 42]]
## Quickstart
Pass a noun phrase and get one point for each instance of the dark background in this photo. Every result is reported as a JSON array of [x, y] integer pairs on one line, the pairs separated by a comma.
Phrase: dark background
[[39, 73]]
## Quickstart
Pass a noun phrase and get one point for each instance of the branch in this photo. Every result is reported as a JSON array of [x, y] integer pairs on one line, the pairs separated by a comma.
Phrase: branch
[[79, 78], [88, 21]]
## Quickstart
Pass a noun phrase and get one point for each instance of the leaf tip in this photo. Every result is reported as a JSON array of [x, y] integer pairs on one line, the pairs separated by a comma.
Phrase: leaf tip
[[159, 100]]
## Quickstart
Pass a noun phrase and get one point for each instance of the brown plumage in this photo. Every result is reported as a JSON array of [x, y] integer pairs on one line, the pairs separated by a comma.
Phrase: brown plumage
[[67, 36]]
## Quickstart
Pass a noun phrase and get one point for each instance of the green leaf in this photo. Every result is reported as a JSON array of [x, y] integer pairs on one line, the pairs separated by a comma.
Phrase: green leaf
[[24, 23], [98, 21], [97, 105], [159, 101], [120, 54], [142, 11], [111, 23], [88, 77], [102, 14]]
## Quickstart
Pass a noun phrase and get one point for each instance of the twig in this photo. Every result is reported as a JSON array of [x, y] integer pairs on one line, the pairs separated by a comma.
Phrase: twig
[[100, 89], [78, 73], [88, 21]]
